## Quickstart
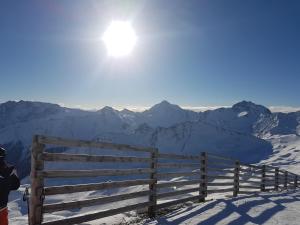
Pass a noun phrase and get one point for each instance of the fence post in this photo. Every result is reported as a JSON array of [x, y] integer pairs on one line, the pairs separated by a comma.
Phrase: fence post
[[37, 183], [203, 177], [276, 185], [236, 178], [263, 178], [152, 186], [285, 179]]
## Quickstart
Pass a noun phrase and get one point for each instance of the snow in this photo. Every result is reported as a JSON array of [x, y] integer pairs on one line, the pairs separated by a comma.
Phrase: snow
[[241, 114], [266, 208], [245, 131]]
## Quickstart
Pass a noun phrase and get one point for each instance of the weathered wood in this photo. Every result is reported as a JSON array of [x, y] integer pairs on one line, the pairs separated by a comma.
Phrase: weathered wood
[[285, 179], [220, 190], [91, 158], [250, 181], [248, 192], [236, 179], [179, 192], [221, 184], [219, 177], [48, 208], [249, 186], [67, 189], [37, 183], [203, 177], [97, 215], [211, 155], [178, 174], [92, 173], [269, 176], [177, 156], [176, 202], [153, 187], [177, 165], [91, 144], [222, 164], [263, 178], [177, 183], [250, 176], [219, 170]]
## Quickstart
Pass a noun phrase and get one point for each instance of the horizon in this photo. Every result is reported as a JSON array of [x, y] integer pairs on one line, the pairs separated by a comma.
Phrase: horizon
[[196, 54], [273, 109]]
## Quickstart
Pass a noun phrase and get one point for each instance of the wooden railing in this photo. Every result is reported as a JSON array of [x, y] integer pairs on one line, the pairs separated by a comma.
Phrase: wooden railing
[[196, 177]]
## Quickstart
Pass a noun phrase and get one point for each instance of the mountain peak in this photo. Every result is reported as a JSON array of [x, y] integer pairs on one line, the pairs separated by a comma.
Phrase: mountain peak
[[250, 107], [107, 109], [164, 105]]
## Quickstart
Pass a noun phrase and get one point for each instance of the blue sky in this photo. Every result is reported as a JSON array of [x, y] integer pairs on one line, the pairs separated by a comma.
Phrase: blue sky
[[192, 53]]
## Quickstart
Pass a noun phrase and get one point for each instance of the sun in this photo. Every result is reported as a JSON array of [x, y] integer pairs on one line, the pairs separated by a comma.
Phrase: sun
[[119, 38]]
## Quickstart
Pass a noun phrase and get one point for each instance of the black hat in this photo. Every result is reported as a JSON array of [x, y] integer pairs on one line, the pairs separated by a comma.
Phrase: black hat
[[2, 153]]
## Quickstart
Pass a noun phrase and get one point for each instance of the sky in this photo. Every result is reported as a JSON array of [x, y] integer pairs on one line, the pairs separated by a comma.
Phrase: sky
[[192, 53]]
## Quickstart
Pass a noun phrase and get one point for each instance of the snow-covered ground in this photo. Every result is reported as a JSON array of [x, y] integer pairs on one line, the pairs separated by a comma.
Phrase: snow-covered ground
[[265, 208]]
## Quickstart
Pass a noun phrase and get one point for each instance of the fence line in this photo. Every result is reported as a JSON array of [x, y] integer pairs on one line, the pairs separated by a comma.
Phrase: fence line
[[200, 175]]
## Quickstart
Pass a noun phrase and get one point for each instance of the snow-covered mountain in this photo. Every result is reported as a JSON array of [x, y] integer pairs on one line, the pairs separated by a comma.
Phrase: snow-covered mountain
[[239, 131]]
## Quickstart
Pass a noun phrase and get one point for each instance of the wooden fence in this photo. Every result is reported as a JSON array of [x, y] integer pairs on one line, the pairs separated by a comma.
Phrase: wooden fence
[[199, 175]]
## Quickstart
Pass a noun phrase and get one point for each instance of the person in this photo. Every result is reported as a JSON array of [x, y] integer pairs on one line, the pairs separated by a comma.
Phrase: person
[[8, 181]]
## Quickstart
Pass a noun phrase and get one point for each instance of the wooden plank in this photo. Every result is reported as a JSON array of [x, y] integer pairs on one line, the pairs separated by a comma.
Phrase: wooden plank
[[179, 174], [219, 177], [250, 186], [211, 155], [220, 170], [177, 156], [176, 202], [67, 189], [236, 178], [263, 179], [91, 144], [178, 165], [97, 215], [177, 183], [92, 173], [37, 183], [250, 176], [248, 192], [224, 165], [49, 208], [153, 187], [203, 177], [221, 184], [220, 190], [179, 192], [250, 181], [91, 158]]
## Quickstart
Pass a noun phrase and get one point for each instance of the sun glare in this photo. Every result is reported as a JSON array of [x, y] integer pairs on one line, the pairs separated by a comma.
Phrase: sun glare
[[119, 38]]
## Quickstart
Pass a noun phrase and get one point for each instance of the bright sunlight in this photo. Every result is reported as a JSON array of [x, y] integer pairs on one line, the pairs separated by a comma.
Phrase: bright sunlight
[[119, 38]]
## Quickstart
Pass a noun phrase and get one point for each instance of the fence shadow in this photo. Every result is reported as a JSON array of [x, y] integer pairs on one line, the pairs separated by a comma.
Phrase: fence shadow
[[220, 211]]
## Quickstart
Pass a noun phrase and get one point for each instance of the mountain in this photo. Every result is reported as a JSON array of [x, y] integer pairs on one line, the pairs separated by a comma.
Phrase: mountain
[[165, 114], [243, 117], [241, 131]]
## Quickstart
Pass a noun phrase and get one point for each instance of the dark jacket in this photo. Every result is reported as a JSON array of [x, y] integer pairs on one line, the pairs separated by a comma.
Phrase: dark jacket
[[8, 181]]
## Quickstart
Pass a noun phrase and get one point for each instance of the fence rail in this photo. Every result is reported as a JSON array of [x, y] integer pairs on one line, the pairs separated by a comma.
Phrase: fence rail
[[196, 177]]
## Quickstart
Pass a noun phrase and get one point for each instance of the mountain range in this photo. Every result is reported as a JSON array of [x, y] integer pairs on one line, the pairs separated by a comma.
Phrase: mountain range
[[241, 131]]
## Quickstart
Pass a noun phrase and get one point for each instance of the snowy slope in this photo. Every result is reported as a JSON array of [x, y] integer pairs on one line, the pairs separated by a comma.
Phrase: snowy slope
[[238, 131], [246, 131]]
